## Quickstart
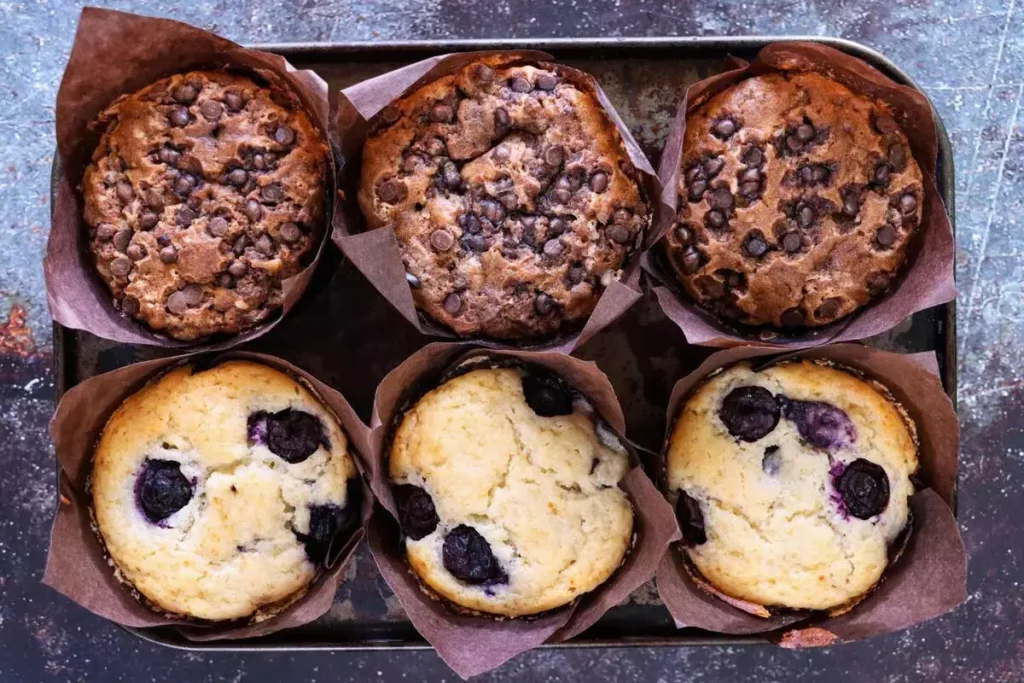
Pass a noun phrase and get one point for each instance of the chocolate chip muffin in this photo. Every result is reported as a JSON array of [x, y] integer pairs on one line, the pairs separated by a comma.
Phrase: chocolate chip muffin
[[218, 493], [506, 486], [791, 483], [205, 192], [798, 199], [512, 195]]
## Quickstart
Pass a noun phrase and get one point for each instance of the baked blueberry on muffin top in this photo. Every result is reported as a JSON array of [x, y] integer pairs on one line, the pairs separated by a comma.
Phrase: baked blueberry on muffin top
[[507, 491], [219, 494], [512, 195], [791, 483], [205, 192], [797, 200]]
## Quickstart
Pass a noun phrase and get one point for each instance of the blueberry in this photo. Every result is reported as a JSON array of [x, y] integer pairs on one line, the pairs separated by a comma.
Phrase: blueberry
[[864, 487], [547, 395], [326, 522], [468, 557], [292, 435], [822, 425], [691, 519], [416, 511], [162, 489], [749, 413]]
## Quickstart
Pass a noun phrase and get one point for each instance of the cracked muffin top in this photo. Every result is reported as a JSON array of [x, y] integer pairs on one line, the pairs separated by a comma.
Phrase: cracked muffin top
[[797, 200], [512, 195], [791, 483], [205, 192], [507, 489], [218, 494]]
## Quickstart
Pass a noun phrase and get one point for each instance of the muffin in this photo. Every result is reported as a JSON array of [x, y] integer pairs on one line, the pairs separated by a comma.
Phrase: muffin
[[206, 190], [798, 199], [507, 491], [791, 483], [512, 196], [218, 493]]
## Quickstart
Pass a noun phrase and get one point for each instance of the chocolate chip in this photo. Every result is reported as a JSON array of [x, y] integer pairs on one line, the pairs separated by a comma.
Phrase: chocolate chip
[[441, 240], [212, 110], [546, 81], [238, 177], [265, 245], [828, 308], [749, 413], [135, 252], [468, 557], [290, 232], [733, 279], [183, 184], [820, 173], [469, 223], [153, 199], [713, 166], [217, 226], [750, 190], [224, 281], [502, 153], [885, 124], [510, 200], [450, 175], [239, 246], [897, 155], [561, 196], [238, 268], [807, 175], [434, 147], [805, 132], [755, 246], [148, 220], [683, 234], [908, 204], [697, 189], [691, 260], [390, 114], [792, 317], [392, 191], [543, 304], [882, 173], [878, 283], [253, 210], [851, 204], [521, 85], [186, 216], [492, 210], [453, 304], [721, 198], [176, 303], [272, 193], [125, 192], [715, 219], [724, 128], [416, 513], [129, 305], [805, 216], [751, 175], [501, 121], [554, 155], [618, 233], [753, 156], [886, 236], [441, 113], [791, 242], [556, 226], [864, 487], [482, 73], [477, 243], [122, 238], [284, 135], [121, 266], [168, 255], [178, 116], [106, 232], [553, 248], [169, 156], [186, 93], [691, 519], [576, 275], [234, 100]]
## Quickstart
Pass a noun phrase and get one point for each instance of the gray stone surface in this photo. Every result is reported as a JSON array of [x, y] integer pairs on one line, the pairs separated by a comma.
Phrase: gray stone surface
[[968, 56]]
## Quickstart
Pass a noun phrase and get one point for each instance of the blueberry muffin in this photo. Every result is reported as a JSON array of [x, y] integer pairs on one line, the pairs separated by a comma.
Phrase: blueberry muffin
[[205, 192], [506, 486], [218, 493], [798, 199], [791, 483], [512, 195]]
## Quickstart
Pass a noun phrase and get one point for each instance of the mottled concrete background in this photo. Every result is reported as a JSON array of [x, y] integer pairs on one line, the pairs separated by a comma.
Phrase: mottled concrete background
[[968, 56]]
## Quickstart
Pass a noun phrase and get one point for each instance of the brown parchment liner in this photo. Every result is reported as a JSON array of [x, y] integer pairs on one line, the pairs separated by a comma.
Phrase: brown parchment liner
[[77, 564], [924, 280], [117, 53], [474, 644], [376, 253], [925, 581]]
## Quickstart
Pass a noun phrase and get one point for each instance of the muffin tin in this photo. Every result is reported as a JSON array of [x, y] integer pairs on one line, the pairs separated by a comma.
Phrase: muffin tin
[[349, 337]]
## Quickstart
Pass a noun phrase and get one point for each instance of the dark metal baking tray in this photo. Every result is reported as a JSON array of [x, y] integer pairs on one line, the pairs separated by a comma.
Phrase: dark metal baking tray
[[350, 337]]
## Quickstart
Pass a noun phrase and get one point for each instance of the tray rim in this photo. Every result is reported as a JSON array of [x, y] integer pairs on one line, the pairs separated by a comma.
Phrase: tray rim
[[372, 50]]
